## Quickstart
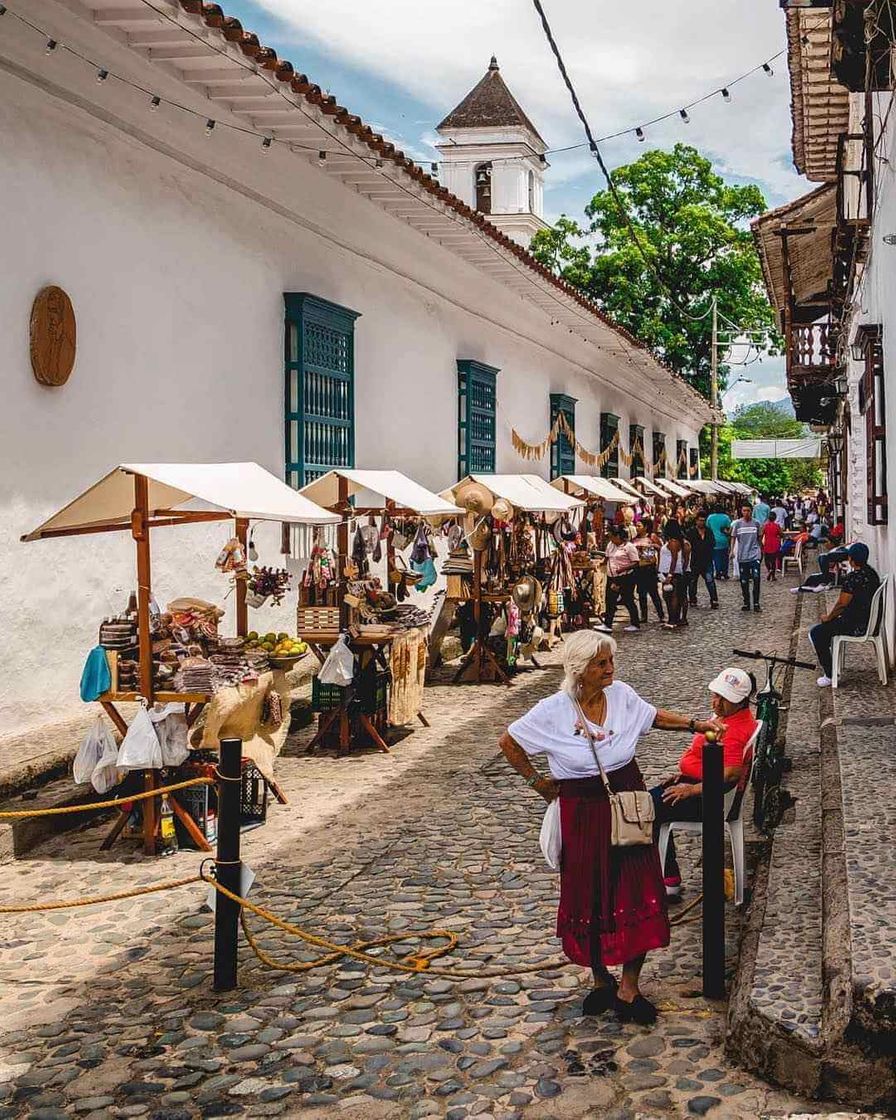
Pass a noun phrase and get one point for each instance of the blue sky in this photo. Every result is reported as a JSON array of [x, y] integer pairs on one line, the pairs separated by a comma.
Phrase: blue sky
[[402, 65]]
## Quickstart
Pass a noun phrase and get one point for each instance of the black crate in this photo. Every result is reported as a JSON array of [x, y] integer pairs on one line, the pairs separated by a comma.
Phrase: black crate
[[201, 802], [374, 692], [326, 697], [253, 797]]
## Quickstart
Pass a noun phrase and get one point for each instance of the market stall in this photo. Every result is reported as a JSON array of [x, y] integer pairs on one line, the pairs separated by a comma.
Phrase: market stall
[[382, 513], [674, 488], [628, 488], [515, 526], [650, 488], [176, 657]]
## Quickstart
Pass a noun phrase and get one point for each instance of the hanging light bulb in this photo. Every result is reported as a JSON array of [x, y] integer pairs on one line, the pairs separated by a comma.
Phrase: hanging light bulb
[[726, 95], [266, 144], [639, 132], [101, 76], [768, 69], [154, 104], [209, 127], [2, 9], [378, 163], [321, 158], [253, 551], [683, 113], [51, 45]]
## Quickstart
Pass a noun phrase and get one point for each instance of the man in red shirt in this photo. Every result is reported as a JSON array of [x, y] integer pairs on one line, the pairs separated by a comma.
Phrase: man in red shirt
[[680, 798]]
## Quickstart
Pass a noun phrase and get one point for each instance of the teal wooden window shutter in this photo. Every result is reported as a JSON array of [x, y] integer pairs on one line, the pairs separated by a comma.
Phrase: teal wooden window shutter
[[320, 387], [609, 426], [563, 453], [636, 449], [694, 461], [476, 405], [681, 458], [659, 446]]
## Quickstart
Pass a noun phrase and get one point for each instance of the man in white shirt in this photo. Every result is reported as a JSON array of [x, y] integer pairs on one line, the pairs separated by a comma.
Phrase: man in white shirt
[[622, 570], [781, 515]]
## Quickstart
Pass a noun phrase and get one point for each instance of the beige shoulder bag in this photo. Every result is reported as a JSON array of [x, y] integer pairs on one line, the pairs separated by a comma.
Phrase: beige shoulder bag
[[631, 812]]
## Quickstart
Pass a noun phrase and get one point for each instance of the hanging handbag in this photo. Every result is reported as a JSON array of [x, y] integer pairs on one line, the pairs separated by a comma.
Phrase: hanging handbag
[[632, 812]]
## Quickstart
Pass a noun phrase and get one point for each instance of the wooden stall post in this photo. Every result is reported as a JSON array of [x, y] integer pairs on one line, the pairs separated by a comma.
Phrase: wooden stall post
[[242, 611], [342, 550], [140, 533]]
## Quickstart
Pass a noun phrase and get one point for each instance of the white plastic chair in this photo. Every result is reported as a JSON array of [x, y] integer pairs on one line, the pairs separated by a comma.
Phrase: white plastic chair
[[874, 633], [796, 559], [734, 826]]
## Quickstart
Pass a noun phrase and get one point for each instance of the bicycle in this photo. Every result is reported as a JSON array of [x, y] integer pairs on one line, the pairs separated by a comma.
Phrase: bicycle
[[770, 801]]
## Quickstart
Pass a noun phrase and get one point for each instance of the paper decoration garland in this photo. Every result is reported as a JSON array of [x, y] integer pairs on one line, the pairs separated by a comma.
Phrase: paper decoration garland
[[537, 451]]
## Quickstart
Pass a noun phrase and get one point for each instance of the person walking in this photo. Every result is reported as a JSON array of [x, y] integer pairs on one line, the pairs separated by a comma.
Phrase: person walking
[[747, 550], [850, 614], [648, 545], [674, 567], [771, 546], [612, 907], [622, 567], [780, 512], [761, 510], [702, 547], [719, 524]]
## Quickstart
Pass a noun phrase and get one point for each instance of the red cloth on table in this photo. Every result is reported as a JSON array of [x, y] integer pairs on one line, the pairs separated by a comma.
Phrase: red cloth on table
[[738, 730], [612, 900]]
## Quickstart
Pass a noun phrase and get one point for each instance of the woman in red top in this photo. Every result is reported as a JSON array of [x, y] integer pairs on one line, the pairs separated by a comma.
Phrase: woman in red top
[[680, 798], [771, 545]]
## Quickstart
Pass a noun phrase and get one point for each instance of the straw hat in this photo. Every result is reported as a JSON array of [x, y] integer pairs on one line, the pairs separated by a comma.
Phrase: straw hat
[[526, 593], [480, 536], [502, 510], [474, 497]]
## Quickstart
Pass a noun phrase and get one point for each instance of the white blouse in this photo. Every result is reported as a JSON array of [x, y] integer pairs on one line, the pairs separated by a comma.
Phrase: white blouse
[[550, 728]]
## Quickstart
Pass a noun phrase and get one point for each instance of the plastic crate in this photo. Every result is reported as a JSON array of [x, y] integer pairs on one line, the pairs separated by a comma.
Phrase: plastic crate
[[374, 694], [325, 697], [253, 797], [201, 803]]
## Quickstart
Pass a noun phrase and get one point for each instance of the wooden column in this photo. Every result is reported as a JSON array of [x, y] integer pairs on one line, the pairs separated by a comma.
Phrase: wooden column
[[242, 611], [342, 549], [390, 550], [140, 533]]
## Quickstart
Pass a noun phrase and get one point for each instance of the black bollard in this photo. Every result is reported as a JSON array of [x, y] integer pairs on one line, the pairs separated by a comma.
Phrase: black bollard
[[713, 870], [227, 863]]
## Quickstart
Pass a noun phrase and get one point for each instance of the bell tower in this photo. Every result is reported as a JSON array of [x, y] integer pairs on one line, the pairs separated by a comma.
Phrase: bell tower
[[492, 158]]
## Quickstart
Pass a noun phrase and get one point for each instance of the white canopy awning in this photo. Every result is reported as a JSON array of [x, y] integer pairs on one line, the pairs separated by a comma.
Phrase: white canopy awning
[[675, 488], [703, 486], [649, 487], [599, 487], [243, 490], [391, 485], [527, 492], [626, 485]]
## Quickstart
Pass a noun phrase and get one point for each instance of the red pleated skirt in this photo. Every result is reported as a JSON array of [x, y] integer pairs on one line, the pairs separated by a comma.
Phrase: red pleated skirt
[[612, 900]]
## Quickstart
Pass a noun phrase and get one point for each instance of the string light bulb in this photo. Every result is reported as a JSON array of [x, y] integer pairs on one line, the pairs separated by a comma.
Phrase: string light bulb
[[155, 103], [378, 163], [726, 94], [768, 69], [266, 144], [51, 45], [2, 9], [639, 132], [101, 76], [683, 113], [321, 158], [209, 128]]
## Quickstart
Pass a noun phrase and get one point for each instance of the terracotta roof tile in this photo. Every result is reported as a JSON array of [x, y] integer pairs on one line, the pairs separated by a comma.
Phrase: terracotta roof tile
[[214, 17]]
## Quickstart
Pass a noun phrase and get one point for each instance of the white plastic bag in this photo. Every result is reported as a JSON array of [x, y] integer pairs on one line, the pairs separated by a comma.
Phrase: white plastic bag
[[106, 774], [89, 753], [339, 668], [141, 749], [171, 728], [550, 839]]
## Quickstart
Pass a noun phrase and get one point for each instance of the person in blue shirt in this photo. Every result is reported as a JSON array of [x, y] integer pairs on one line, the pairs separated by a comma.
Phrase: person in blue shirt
[[719, 524], [761, 510]]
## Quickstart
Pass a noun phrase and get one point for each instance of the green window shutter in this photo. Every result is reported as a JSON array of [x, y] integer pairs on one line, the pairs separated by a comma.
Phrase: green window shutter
[[320, 387], [635, 449], [659, 446], [609, 426], [681, 458], [476, 405], [563, 453]]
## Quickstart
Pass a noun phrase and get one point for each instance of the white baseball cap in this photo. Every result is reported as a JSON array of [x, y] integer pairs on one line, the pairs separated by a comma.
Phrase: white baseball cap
[[733, 684]]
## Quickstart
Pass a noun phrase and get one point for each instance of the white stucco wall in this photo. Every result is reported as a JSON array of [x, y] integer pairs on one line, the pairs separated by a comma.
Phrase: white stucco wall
[[176, 252]]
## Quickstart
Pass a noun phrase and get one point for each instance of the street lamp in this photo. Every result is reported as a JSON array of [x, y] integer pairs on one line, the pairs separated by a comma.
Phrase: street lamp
[[835, 442], [737, 381]]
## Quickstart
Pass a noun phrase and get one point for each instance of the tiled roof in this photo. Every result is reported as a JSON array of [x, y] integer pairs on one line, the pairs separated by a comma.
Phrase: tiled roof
[[356, 131], [819, 105], [489, 104]]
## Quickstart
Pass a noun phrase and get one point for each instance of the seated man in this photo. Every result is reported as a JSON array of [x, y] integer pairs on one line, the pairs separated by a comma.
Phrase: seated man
[[850, 613], [680, 798]]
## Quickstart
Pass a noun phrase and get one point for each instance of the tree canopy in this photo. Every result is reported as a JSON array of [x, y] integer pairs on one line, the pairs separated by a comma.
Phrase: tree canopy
[[693, 228], [769, 476]]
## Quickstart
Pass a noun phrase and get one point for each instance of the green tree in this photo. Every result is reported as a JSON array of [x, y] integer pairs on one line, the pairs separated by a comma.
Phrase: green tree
[[769, 476], [693, 228]]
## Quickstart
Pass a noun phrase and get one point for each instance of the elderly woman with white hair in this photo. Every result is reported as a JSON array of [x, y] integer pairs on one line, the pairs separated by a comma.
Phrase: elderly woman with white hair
[[612, 899]]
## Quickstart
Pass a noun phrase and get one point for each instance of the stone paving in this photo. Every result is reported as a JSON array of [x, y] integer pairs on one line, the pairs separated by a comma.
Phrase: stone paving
[[108, 1010]]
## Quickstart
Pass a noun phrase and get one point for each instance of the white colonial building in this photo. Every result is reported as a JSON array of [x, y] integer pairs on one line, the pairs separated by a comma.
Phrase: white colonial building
[[256, 275]]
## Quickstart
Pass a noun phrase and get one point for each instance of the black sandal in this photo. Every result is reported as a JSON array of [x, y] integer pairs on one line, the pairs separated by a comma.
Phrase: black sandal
[[640, 1010], [600, 1000]]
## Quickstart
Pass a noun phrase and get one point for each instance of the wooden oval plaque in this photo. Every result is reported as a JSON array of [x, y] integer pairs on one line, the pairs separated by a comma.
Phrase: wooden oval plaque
[[52, 336]]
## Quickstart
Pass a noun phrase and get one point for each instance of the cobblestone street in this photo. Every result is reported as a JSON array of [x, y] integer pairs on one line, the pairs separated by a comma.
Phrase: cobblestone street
[[109, 1010]]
